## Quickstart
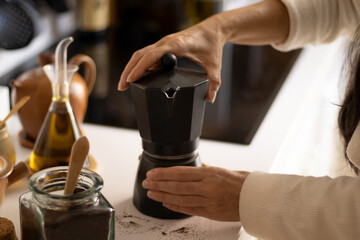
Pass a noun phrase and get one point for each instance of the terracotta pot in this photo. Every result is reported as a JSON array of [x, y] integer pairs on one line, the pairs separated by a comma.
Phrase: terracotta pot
[[36, 84], [10, 174], [6, 167]]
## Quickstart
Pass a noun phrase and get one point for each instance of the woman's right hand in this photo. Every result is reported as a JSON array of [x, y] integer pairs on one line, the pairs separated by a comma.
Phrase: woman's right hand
[[202, 43], [207, 191]]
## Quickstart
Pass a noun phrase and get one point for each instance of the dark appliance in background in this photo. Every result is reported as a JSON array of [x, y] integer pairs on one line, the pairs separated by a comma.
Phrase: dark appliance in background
[[20, 20], [157, 18], [19, 23], [251, 75]]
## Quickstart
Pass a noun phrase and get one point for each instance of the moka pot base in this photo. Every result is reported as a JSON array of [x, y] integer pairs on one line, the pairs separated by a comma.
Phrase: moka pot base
[[148, 206]]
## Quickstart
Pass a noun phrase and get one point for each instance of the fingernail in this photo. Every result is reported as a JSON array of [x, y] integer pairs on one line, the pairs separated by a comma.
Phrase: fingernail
[[212, 96], [150, 194], [146, 183], [119, 86], [130, 78], [150, 174]]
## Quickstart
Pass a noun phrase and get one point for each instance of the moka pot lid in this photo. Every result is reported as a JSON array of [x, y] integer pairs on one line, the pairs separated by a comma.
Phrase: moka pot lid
[[170, 105]]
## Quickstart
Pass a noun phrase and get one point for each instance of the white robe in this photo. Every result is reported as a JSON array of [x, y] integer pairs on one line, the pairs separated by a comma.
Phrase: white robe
[[279, 206]]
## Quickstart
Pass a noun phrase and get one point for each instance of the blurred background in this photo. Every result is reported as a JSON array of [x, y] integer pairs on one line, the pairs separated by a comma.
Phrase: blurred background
[[109, 31]]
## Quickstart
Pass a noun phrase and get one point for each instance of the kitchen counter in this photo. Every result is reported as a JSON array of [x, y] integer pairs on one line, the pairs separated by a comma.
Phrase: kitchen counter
[[116, 151]]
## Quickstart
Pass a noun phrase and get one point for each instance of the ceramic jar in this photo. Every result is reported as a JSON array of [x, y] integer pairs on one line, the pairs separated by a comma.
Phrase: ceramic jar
[[6, 144], [36, 84]]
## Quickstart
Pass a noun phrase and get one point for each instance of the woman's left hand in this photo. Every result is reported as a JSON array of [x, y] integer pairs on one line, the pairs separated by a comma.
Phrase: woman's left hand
[[209, 192]]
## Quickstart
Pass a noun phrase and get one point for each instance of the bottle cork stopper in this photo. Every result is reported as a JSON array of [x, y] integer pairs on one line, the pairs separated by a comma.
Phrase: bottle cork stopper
[[7, 229]]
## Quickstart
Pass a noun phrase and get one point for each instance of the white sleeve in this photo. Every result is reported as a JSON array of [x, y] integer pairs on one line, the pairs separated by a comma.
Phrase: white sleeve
[[279, 206], [319, 21]]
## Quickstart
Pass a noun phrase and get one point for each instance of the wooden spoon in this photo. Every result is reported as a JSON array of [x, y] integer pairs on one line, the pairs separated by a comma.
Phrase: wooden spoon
[[79, 152], [15, 109]]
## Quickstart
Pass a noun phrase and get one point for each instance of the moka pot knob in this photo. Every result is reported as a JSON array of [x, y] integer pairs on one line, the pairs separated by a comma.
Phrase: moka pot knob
[[168, 61]]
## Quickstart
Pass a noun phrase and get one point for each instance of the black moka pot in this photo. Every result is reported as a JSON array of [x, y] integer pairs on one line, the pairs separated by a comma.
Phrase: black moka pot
[[170, 105]]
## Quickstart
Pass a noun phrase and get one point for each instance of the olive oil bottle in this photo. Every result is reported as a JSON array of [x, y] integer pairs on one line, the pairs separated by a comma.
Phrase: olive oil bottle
[[59, 129], [58, 133]]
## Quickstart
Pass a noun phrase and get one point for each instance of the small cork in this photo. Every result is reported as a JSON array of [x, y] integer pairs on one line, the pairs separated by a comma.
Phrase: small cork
[[7, 229]]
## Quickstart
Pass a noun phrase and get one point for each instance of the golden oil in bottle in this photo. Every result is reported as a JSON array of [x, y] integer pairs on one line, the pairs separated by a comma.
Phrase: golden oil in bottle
[[56, 137], [59, 130]]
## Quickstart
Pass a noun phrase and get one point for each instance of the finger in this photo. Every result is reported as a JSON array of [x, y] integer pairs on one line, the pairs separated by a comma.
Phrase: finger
[[179, 188], [135, 58], [178, 173], [124, 75], [150, 58], [214, 83], [181, 200], [123, 85]]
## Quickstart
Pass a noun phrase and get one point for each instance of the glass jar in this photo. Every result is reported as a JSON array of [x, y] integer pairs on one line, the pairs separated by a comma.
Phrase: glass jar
[[46, 213], [6, 144]]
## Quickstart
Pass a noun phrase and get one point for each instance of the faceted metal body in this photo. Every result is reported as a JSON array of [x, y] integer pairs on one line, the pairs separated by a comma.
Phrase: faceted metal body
[[170, 106]]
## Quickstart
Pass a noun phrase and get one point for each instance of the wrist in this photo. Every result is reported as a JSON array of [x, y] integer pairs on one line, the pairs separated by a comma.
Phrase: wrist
[[265, 22], [242, 178], [215, 26]]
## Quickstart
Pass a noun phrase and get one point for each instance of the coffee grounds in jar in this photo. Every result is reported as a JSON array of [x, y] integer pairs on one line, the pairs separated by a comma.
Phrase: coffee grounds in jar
[[89, 224]]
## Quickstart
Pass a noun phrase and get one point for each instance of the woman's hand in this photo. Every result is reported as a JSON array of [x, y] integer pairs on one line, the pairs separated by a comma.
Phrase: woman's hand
[[262, 23], [202, 43], [209, 192]]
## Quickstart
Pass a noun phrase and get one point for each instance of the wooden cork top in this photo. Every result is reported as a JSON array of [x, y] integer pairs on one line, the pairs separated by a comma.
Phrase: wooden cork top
[[7, 229]]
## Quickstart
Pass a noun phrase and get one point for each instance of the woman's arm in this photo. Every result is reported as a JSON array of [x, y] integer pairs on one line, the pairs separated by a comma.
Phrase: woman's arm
[[271, 206], [262, 23], [279, 206]]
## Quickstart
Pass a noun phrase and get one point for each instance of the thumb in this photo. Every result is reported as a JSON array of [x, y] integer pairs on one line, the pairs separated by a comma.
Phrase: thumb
[[214, 84]]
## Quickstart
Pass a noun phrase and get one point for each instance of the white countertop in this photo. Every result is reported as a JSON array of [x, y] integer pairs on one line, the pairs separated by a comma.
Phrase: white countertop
[[117, 150]]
